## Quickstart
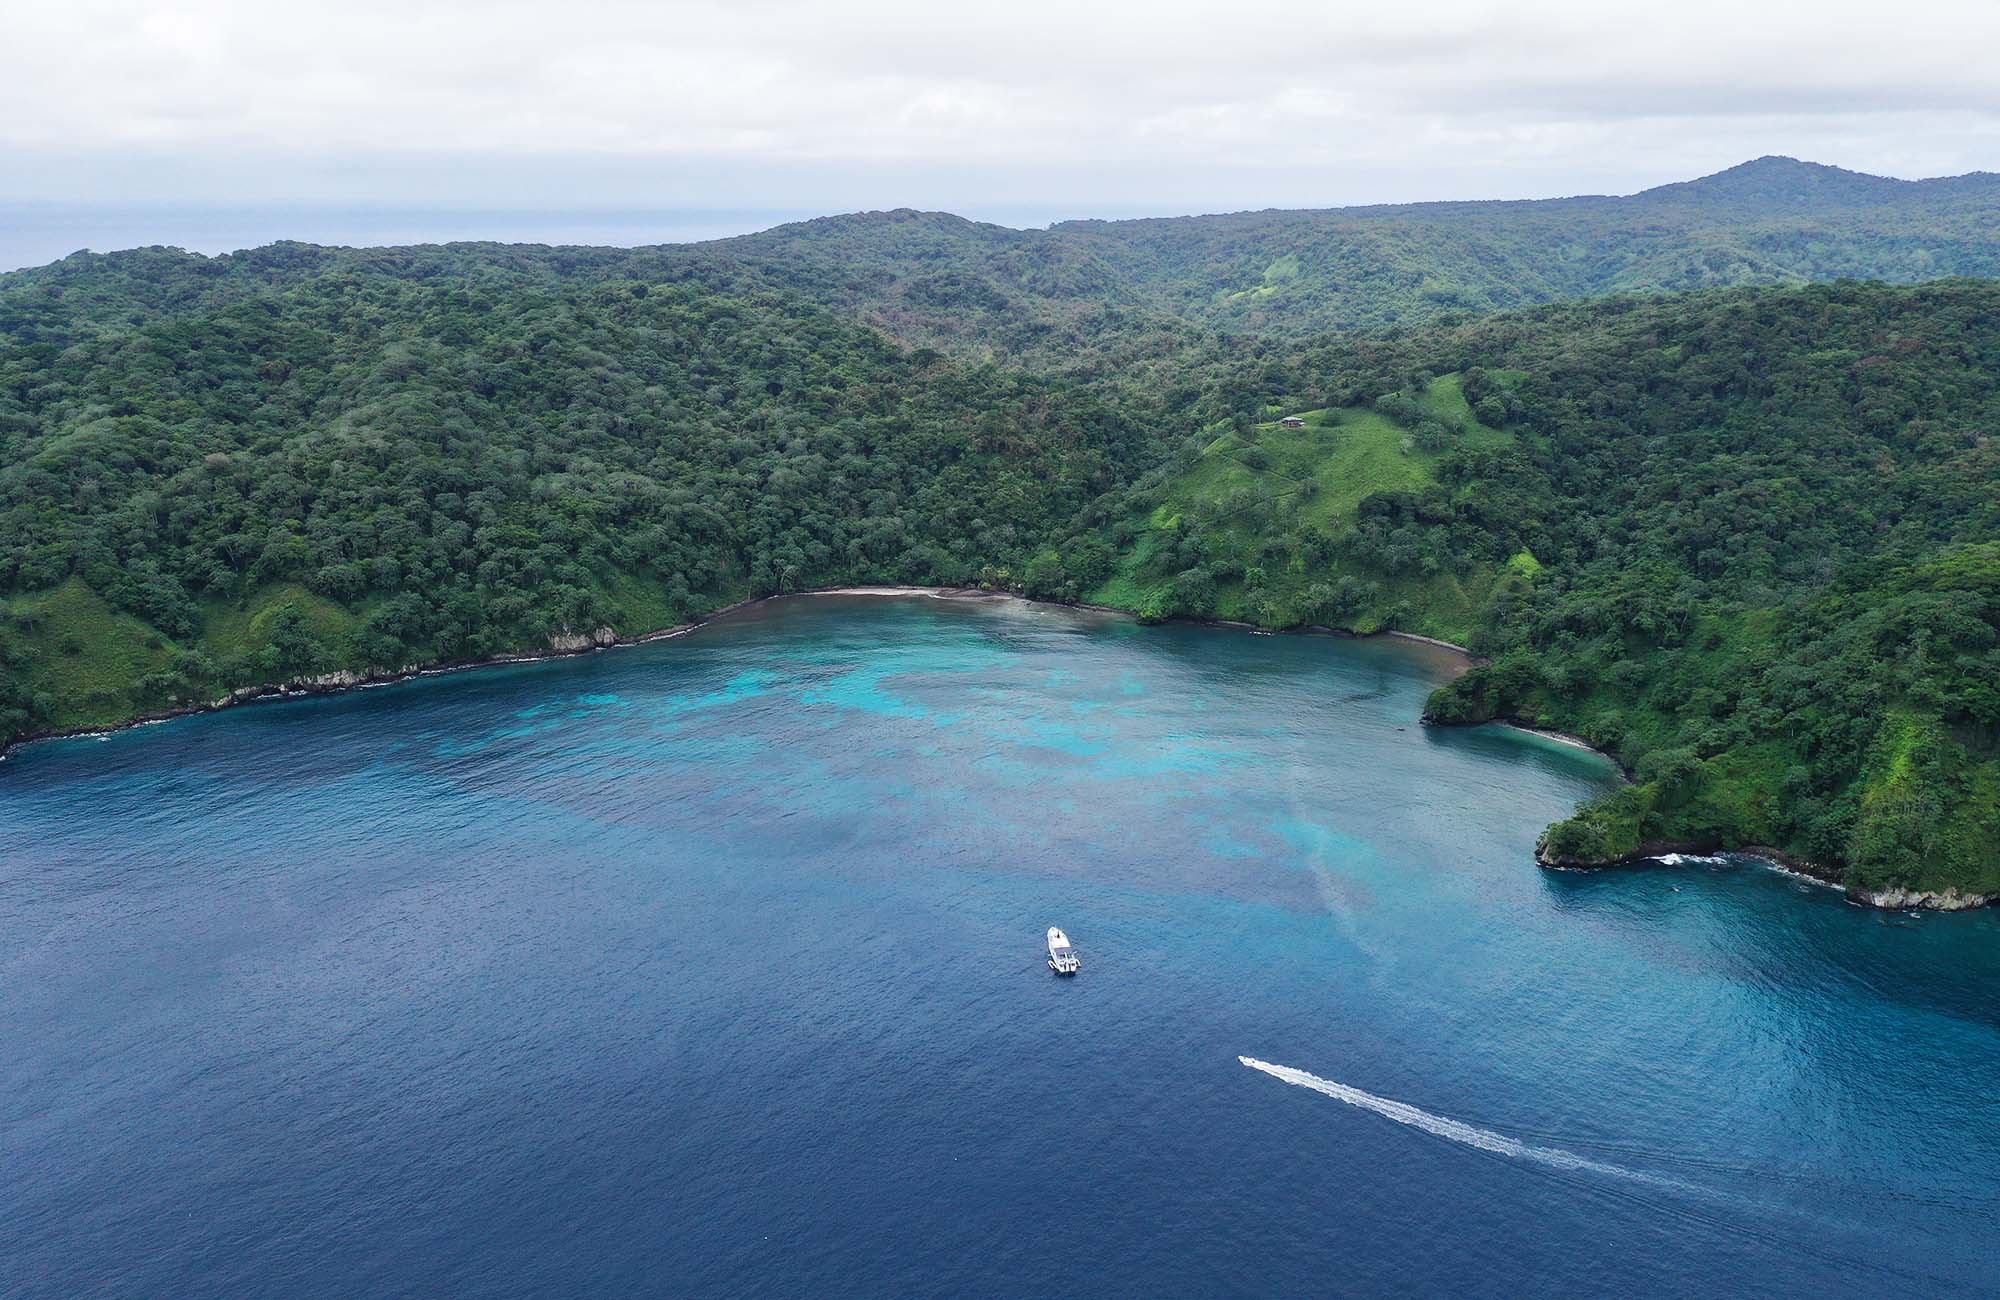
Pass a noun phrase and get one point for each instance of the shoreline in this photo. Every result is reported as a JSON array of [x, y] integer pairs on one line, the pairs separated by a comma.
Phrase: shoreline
[[1678, 853], [565, 645], [570, 644], [1558, 737]]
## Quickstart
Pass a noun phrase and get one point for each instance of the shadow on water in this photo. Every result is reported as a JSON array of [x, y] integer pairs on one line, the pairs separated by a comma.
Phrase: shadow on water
[[1788, 934], [1538, 753]]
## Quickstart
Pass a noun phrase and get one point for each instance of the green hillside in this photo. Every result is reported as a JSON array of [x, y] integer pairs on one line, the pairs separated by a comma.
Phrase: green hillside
[[1259, 525], [309, 463]]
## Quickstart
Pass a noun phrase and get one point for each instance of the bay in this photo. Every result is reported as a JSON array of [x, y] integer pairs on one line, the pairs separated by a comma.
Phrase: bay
[[713, 967]]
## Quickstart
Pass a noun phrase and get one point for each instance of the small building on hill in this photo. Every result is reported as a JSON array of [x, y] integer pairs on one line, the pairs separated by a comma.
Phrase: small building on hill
[[1293, 422]]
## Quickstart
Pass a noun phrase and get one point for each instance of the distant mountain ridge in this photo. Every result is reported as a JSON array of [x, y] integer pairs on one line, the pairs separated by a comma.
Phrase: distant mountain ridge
[[934, 278], [1777, 180], [1773, 179], [1088, 295]]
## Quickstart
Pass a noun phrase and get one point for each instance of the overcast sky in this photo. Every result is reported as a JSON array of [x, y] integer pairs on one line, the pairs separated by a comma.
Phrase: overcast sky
[[1027, 106]]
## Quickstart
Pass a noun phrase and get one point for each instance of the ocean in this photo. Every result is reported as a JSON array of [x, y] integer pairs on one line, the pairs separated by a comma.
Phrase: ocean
[[715, 967]]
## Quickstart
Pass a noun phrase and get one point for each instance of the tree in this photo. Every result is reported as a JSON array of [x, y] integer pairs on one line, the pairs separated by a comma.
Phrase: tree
[[1045, 575], [294, 651]]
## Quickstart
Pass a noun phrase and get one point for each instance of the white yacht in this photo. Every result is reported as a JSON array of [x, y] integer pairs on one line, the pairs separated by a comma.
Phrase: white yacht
[[1062, 957]]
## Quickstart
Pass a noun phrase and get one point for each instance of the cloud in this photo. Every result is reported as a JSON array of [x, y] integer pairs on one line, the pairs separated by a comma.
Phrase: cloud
[[775, 101]]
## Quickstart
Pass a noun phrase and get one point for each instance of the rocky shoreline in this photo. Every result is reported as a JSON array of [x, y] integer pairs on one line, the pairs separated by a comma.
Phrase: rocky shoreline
[[1895, 899], [1670, 852]]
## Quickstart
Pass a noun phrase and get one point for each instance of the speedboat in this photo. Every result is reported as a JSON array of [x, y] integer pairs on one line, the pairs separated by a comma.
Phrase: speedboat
[[1062, 958]]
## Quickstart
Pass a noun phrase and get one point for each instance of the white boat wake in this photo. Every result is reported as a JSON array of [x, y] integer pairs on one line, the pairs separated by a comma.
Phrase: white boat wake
[[1803, 1240], [1459, 1131]]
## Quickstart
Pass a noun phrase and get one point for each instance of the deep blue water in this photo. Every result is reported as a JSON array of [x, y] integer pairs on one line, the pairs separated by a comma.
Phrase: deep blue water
[[713, 967]]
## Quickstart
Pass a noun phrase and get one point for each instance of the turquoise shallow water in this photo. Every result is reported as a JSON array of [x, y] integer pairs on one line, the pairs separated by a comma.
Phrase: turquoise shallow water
[[713, 967]]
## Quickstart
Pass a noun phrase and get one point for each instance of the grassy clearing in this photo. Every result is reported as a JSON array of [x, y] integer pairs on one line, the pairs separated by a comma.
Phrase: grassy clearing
[[1246, 489], [1348, 453], [1348, 457], [1276, 276], [1923, 791], [86, 657], [231, 629]]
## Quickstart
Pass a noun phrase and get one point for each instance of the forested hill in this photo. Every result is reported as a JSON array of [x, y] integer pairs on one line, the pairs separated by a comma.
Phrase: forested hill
[[220, 472], [1039, 295], [1105, 299], [1747, 539]]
